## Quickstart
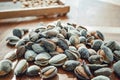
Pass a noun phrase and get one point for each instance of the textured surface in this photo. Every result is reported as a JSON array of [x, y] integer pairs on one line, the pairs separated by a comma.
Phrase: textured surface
[[95, 15]]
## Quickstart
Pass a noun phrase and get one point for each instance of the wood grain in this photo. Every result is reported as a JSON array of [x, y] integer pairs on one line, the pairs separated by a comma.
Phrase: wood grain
[[94, 15], [61, 9]]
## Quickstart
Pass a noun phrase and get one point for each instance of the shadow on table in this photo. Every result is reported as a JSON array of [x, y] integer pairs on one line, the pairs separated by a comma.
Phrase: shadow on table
[[30, 19]]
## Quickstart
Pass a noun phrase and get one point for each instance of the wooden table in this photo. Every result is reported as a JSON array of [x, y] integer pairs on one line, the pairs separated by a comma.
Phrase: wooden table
[[93, 14]]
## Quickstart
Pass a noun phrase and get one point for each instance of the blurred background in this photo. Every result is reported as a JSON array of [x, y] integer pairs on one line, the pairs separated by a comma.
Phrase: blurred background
[[87, 12], [103, 15], [96, 12]]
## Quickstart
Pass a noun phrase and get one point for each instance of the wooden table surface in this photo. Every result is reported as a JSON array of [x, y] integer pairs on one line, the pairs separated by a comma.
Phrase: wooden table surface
[[93, 14]]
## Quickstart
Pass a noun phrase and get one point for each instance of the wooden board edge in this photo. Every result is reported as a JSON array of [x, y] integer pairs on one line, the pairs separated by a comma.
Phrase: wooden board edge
[[34, 12]]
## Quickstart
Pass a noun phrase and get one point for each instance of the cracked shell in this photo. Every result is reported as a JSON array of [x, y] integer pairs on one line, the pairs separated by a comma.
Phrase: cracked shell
[[72, 54], [83, 72], [74, 40], [37, 48], [83, 32], [42, 59], [59, 50], [20, 43], [90, 39], [58, 60], [51, 26], [86, 68], [117, 55], [82, 39], [48, 72], [5, 67], [116, 67], [70, 65], [72, 32], [48, 45], [29, 45], [11, 55], [63, 32], [33, 36], [20, 51], [99, 35], [106, 54], [51, 33], [97, 44], [83, 51], [12, 40], [54, 53], [80, 45], [62, 43], [30, 55], [95, 59], [113, 45], [92, 52], [40, 29], [80, 28], [103, 71], [33, 70], [21, 67], [80, 73], [60, 36], [96, 66]]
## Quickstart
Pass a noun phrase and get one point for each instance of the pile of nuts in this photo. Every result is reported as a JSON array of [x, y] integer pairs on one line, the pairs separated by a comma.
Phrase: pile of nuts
[[38, 3], [69, 46]]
